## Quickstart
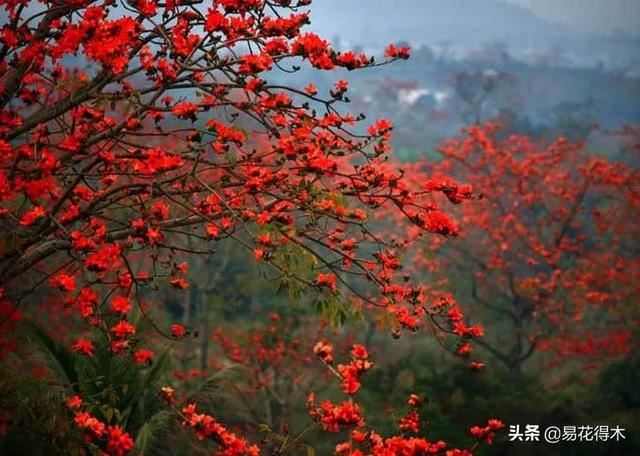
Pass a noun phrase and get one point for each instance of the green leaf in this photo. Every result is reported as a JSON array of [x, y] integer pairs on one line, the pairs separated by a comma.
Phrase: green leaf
[[63, 361], [108, 412], [143, 439], [328, 306], [156, 426], [213, 386], [139, 389], [158, 368]]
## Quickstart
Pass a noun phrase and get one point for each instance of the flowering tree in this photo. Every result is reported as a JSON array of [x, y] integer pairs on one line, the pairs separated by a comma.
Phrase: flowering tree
[[108, 172], [550, 250], [348, 414], [337, 417], [278, 367], [135, 134]]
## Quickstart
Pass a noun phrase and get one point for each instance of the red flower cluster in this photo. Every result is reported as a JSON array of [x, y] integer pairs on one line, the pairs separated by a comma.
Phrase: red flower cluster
[[120, 305], [324, 351], [178, 331], [274, 355], [333, 416], [411, 446], [397, 52], [118, 441], [351, 373], [63, 281], [326, 280], [410, 422], [336, 417], [142, 356], [105, 171], [115, 441], [93, 428], [538, 231], [83, 347], [205, 427], [487, 433]]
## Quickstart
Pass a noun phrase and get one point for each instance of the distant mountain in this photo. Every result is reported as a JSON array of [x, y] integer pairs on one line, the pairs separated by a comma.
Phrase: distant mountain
[[466, 24]]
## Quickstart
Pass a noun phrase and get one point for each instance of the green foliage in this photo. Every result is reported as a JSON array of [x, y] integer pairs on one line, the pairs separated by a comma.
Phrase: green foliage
[[619, 384], [114, 390], [298, 262], [215, 387], [39, 423], [59, 358], [330, 308], [151, 437], [457, 399]]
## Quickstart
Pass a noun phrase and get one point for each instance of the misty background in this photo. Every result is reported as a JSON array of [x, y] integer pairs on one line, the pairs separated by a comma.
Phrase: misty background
[[545, 68], [587, 30]]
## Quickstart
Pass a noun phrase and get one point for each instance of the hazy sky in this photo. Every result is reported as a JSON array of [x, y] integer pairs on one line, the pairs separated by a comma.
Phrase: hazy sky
[[589, 15]]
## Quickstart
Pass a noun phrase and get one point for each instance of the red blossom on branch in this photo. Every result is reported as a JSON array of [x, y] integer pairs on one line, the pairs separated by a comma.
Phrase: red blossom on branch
[[348, 416]]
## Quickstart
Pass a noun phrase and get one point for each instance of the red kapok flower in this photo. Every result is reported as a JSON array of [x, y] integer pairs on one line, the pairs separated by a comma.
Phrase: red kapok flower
[[123, 329], [143, 356], [326, 280], [119, 442], [168, 393], [83, 347], [73, 402], [31, 216], [410, 422], [359, 352], [324, 351], [178, 330], [63, 281], [179, 283], [120, 305], [414, 400], [92, 426]]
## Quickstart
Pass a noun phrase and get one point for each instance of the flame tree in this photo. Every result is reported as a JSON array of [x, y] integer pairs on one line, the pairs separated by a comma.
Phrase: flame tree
[[549, 253], [135, 134]]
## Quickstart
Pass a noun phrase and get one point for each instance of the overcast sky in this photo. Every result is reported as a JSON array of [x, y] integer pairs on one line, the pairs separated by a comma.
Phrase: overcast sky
[[589, 15]]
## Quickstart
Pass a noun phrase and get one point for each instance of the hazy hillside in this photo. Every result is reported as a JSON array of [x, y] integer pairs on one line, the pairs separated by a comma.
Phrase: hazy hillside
[[465, 24]]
